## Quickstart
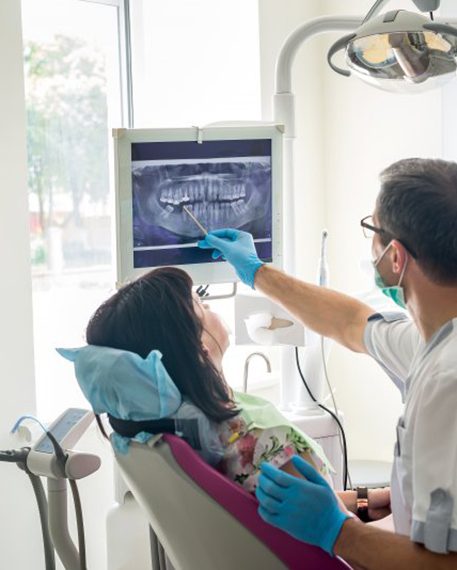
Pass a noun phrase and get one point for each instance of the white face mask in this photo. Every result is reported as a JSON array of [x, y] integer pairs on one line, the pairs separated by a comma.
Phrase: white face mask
[[394, 292]]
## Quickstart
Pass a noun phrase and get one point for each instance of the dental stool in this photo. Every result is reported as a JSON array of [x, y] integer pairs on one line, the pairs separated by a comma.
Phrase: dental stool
[[203, 520]]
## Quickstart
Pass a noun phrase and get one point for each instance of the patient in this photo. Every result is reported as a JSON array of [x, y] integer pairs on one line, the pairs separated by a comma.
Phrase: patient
[[237, 431]]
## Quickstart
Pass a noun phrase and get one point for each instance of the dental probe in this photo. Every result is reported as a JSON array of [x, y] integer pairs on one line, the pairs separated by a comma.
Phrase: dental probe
[[323, 264], [204, 230]]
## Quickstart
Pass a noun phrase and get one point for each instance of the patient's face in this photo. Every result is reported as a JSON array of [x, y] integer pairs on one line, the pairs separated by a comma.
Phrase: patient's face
[[215, 335]]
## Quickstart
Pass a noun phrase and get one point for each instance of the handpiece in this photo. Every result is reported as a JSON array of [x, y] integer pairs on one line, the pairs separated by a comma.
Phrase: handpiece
[[323, 276]]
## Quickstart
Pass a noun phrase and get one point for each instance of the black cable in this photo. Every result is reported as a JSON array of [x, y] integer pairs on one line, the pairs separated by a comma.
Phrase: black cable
[[61, 457], [60, 454], [19, 456], [79, 525], [431, 16], [334, 416], [40, 495]]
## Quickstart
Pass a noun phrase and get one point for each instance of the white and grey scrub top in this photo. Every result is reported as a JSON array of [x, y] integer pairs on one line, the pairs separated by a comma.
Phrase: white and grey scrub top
[[424, 475]]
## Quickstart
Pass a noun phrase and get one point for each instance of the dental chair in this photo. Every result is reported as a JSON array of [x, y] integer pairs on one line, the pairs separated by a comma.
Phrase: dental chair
[[203, 520]]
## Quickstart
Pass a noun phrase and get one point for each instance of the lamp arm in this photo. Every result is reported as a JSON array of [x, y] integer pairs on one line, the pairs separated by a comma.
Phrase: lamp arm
[[422, 5], [427, 5], [375, 9], [311, 28]]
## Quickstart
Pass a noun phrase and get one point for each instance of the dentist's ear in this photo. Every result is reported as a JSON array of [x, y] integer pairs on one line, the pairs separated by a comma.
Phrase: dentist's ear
[[399, 256]]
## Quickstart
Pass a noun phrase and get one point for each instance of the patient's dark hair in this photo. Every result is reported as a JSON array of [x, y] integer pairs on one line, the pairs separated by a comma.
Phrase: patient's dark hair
[[157, 312], [417, 205]]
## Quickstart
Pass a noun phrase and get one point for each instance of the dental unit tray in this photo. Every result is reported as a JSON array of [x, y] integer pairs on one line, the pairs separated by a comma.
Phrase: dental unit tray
[[51, 457], [67, 429], [226, 176]]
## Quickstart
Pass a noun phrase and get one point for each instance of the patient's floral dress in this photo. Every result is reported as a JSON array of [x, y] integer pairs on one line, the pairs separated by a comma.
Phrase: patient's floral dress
[[246, 447]]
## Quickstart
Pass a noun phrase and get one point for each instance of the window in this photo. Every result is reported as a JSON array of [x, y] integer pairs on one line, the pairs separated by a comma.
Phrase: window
[[73, 97], [193, 61]]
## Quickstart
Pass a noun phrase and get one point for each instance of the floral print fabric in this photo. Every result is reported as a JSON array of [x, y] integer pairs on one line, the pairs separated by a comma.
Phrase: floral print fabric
[[246, 448]]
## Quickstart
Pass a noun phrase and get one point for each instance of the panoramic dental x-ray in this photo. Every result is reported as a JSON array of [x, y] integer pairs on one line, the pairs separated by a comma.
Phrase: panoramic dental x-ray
[[222, 183]]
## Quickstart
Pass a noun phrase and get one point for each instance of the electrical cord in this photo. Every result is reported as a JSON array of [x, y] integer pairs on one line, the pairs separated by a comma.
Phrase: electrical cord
[[335, 406], [79, 524], [49, 555], [330, 389], [334, 416], [19, 456], [61, 456]]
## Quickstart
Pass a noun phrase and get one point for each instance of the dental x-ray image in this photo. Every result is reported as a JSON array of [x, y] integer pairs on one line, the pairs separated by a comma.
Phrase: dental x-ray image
[[222, 183]]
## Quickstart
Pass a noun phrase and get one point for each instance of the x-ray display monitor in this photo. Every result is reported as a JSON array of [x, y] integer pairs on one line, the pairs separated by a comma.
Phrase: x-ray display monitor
[[227, 180]]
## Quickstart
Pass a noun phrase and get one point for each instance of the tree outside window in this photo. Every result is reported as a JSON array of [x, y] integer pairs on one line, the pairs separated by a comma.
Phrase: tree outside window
[[67, 152]]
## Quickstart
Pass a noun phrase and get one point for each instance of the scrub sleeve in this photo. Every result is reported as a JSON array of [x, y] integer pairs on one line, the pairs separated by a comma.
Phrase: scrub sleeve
[[424, 476]]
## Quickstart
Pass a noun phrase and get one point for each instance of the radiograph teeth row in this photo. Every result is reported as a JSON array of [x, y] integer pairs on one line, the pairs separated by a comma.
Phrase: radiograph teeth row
[[231, 195], [211, 214], [193, 192]]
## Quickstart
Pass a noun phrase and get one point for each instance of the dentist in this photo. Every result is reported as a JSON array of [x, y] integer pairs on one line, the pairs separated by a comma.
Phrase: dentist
[[414, 244]]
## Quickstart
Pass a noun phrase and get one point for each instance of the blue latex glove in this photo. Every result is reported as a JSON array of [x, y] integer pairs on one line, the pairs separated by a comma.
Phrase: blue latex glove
[[305, 508], [237, 248]]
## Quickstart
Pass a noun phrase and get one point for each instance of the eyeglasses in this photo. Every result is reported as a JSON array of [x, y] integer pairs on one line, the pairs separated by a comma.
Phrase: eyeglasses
[[369, 229]]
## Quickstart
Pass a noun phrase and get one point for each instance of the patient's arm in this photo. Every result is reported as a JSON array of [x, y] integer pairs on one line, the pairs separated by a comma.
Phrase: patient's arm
[[289, 467], [378, 502], [346, 499], [378, 499]]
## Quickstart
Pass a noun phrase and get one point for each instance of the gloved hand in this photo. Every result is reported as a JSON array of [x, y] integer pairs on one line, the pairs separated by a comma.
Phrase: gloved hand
[[237, 248], [305, 508]]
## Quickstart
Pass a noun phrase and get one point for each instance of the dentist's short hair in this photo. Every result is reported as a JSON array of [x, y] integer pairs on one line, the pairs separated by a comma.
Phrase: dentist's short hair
[[417, 205]]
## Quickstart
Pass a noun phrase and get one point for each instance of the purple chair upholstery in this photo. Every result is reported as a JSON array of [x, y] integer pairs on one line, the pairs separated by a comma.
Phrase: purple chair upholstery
[[242, 505]]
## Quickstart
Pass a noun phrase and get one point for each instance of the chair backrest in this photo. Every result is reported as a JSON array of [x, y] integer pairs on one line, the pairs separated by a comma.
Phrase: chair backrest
[[205, 521]]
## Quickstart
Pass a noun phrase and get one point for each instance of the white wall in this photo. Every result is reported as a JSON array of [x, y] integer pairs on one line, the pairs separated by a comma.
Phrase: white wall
[[449, 108], [347, 133], [18, 521]]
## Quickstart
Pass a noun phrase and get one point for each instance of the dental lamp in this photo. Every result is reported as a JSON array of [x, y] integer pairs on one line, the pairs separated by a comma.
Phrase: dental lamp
[[400, 51]]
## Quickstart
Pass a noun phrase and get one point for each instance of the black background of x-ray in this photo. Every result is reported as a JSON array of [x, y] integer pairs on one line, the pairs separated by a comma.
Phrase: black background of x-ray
[[182, 150], [192, 150]]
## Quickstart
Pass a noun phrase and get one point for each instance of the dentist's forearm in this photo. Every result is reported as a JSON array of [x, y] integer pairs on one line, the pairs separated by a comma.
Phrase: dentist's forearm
[[367, 547], [323, 310]]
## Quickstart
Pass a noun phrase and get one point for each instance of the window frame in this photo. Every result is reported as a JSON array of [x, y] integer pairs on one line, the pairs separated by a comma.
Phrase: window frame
[[125, 56]]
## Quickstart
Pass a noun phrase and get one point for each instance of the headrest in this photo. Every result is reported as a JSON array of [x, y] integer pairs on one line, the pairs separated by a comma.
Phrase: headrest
[[124, 385]]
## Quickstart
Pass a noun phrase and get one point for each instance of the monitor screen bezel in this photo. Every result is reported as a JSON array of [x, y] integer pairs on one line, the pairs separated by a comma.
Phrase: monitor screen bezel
[[220, 272]]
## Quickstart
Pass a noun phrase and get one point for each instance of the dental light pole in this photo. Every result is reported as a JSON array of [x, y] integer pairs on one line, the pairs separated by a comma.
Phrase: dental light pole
[[294, 397]]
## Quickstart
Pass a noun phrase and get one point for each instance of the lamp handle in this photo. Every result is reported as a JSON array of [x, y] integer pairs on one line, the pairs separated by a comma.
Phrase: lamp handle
[[337, 46], [441, 28], [427, 5]]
